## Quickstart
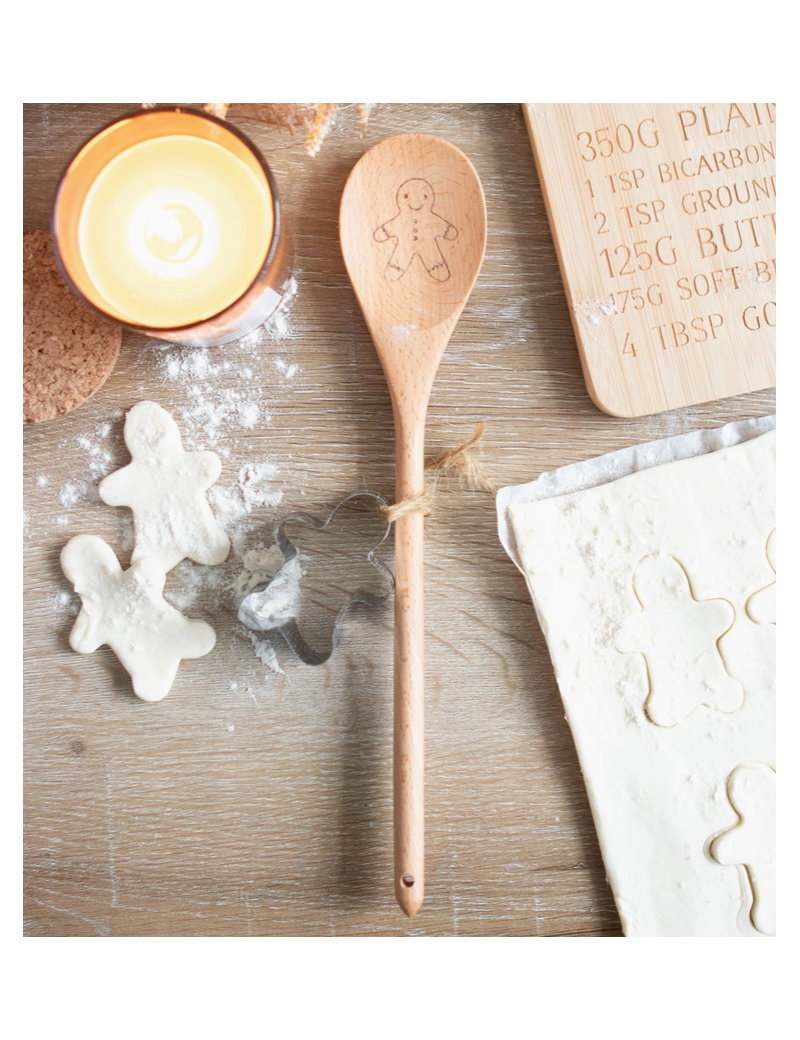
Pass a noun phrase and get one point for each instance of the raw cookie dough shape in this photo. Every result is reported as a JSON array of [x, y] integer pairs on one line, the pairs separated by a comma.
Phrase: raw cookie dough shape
[[276, 608], [678, 637], [761, 606], [165, 488], [751, 842], [126, 610], [416, 230]]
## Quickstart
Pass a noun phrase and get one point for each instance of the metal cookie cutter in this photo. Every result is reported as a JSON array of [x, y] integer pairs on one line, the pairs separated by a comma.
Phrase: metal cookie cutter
[[276, 607]]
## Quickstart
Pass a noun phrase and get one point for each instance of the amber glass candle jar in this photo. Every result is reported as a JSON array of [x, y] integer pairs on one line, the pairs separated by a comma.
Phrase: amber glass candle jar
[[168, 221]]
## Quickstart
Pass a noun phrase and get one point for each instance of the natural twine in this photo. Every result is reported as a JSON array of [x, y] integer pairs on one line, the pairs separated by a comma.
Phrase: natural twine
[[461, 462]]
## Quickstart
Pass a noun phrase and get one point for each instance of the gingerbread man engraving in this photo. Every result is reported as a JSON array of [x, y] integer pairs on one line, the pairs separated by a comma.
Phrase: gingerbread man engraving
[[127, 611], [416, 231]]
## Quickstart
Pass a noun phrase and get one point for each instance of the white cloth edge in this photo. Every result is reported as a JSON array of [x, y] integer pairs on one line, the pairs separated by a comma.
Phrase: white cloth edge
[[578, 476]]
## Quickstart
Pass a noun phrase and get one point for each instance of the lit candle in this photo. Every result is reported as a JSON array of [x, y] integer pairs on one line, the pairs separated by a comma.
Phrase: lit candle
[[168, 221]]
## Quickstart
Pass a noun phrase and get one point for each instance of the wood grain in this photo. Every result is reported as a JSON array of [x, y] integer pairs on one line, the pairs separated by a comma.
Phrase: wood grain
[[664, 221], [254, 802], [413, 230]]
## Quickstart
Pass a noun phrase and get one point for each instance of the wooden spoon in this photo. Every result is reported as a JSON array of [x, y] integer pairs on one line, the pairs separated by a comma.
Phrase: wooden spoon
[[413, 231]]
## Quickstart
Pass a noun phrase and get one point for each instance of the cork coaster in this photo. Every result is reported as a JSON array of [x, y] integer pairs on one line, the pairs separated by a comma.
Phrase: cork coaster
[[68, 352]]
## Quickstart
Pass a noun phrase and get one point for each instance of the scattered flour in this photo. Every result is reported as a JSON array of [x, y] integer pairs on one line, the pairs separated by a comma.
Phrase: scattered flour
[[264, 650], [256, 482], [213, 412], [66, 603], [254, 490], [290, 371], [278, 603], [213, 393], [74, 492], [215, 407], [101, 460], [258, 567]]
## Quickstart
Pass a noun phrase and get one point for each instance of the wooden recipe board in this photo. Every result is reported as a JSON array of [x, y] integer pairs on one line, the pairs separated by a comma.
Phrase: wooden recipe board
[[664, 222]]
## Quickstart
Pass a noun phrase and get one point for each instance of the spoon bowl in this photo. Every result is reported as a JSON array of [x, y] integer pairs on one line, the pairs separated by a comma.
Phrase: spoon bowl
[[412, 225]]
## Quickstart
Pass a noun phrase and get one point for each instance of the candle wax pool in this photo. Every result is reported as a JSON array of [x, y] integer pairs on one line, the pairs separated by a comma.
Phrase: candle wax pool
[[174, 230]]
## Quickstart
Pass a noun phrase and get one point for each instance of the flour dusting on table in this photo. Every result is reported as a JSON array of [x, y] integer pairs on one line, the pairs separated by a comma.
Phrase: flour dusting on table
[[216, 395], [223, 385]]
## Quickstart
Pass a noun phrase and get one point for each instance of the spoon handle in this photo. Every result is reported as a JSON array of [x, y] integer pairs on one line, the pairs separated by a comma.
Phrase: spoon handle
[[409, 680]]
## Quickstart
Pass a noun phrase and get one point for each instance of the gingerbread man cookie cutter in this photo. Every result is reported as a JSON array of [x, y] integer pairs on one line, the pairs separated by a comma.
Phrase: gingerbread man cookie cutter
[[417, 231], [275, 607]]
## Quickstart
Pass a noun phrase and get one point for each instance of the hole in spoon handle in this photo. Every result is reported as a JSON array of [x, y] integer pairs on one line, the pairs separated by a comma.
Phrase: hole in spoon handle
[[409, 711]]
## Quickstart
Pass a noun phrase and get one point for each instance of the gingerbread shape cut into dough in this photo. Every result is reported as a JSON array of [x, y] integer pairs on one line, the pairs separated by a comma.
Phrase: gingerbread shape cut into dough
[[658, 792], [165, 488], [751, 842], [678, 637], [416, 231], [127, 611], [761, 607]]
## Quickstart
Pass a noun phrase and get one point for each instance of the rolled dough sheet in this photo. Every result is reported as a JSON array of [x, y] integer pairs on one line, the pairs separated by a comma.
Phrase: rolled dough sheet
[[655, 592]]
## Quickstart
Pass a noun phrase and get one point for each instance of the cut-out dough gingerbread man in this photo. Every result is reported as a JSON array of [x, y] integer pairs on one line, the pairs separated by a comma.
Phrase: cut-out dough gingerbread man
[[126, 610], [761, 606], [677, 635], [165, 488], [751, 842], [416, 230]]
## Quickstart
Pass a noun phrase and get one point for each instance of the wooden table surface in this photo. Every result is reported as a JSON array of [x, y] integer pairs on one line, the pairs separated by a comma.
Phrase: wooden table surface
[[256, 798]]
